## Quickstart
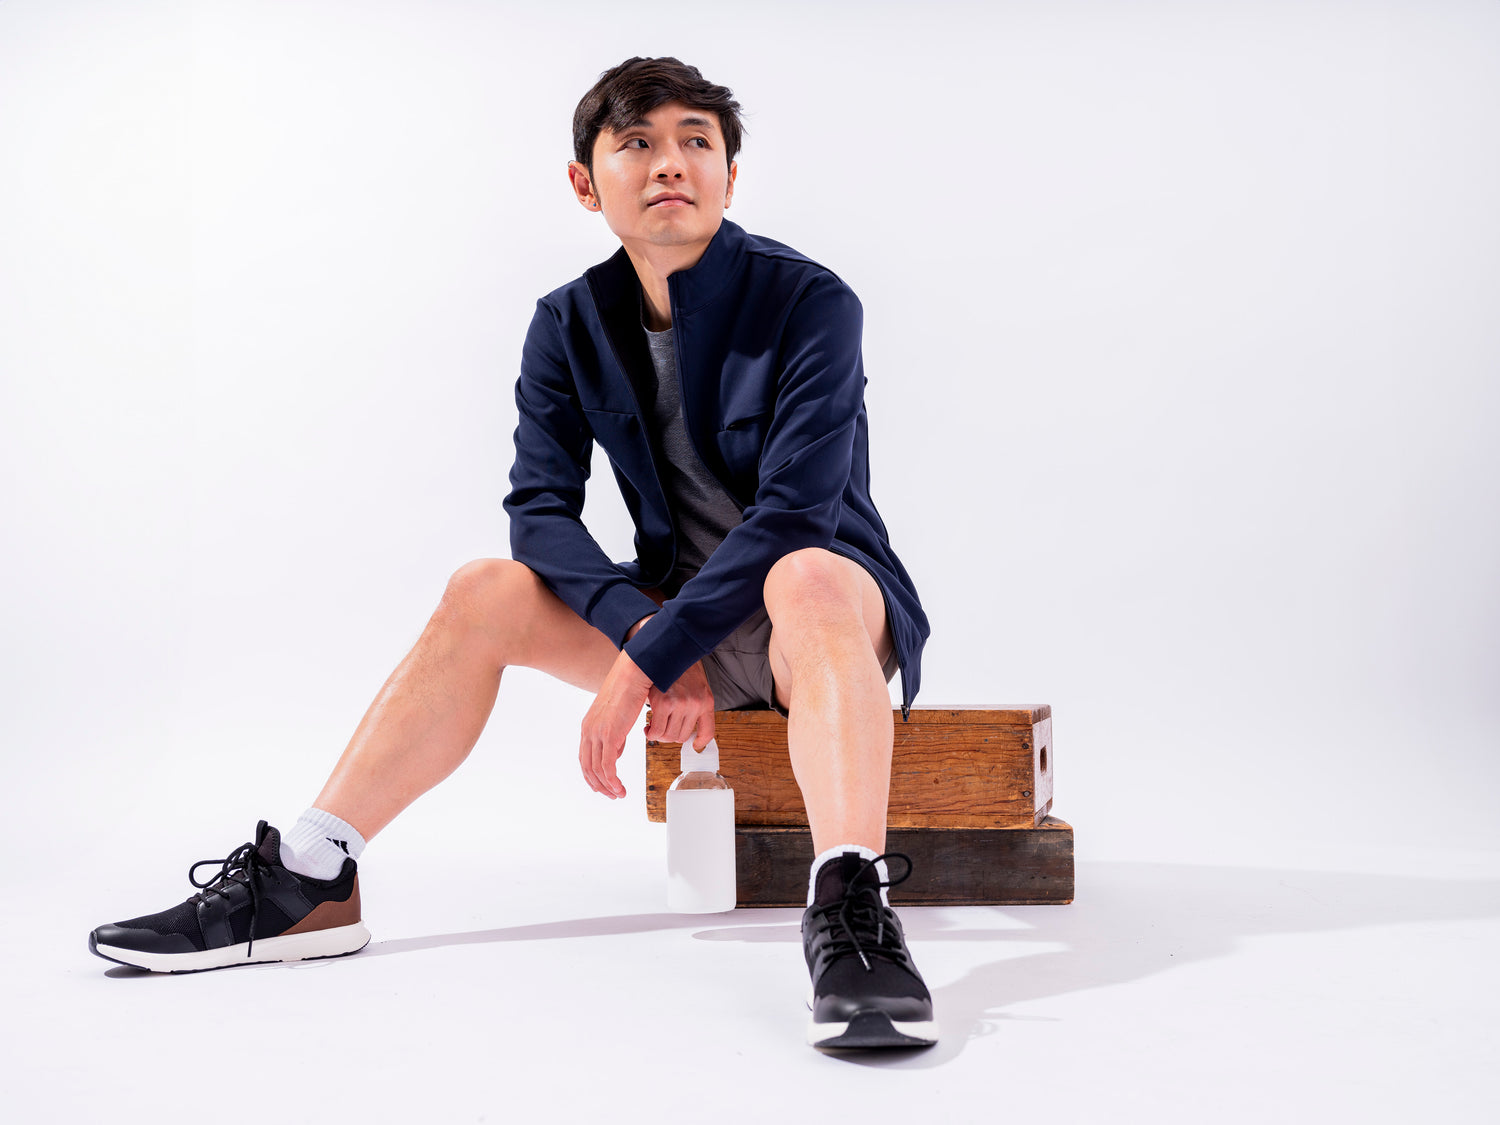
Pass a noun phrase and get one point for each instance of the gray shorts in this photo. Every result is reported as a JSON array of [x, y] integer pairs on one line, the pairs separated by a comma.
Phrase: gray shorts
[[739, 670]]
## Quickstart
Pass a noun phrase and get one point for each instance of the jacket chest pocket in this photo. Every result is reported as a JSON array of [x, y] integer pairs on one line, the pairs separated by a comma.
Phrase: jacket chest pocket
[[740, 444]]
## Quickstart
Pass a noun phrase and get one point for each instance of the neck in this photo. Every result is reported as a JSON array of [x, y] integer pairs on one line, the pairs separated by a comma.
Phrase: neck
[[653, 265]]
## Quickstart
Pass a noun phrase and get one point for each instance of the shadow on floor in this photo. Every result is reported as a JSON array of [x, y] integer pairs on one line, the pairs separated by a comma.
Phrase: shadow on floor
[[1130, 921], [1134, 920], [540, 931]]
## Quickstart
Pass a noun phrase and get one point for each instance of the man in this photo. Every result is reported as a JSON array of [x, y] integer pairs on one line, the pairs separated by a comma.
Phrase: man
[[722, 374]]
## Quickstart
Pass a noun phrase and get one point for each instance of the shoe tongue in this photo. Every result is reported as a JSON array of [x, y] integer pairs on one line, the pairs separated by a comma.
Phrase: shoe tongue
[[840, 873], [268, 842]]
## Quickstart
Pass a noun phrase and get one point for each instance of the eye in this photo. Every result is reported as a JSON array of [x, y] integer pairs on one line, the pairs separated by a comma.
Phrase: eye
[[633, 140], [704, 141]]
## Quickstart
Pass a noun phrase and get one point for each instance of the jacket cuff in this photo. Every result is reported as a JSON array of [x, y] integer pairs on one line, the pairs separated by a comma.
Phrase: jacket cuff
[[662, 650], [618, 607]]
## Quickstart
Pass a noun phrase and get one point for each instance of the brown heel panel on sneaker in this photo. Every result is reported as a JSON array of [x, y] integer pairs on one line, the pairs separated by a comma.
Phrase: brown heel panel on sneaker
[[329, 915]]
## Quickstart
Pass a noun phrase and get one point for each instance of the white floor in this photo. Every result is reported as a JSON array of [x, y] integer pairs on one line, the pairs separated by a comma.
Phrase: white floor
[[1211, 284], [523, 987]]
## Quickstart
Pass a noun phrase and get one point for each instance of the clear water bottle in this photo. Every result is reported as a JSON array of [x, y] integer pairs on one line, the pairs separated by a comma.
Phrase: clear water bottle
[[700, 835]]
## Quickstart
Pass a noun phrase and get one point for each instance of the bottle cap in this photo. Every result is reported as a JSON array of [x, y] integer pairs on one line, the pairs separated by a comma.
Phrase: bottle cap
[[705, 760]]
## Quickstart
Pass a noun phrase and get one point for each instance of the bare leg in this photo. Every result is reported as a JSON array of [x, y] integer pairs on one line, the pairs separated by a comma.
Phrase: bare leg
[[829, 640], [494, 613]]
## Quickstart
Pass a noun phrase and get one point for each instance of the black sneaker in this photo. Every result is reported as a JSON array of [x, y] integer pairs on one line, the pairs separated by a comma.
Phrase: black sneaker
[[254, 910], [865, 990]]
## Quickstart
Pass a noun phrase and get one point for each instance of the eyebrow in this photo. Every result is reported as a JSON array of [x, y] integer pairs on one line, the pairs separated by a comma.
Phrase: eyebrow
[[685, 123]]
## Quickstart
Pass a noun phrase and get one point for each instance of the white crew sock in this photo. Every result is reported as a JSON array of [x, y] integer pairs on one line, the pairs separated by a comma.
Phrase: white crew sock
[[318, 843], [832, 853]]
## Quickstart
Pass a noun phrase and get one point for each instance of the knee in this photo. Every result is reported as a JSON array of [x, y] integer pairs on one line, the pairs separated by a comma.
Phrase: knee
[[812, 579], [478, 590]]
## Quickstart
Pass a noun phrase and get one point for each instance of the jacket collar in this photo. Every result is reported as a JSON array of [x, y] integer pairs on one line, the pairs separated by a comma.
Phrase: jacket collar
[[617, 289]]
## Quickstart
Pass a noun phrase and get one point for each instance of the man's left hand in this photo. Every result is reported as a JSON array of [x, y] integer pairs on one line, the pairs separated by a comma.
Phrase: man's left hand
[[684, 711]]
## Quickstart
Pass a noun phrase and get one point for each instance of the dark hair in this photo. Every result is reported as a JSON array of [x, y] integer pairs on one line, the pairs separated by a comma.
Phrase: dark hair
[[626, 93]]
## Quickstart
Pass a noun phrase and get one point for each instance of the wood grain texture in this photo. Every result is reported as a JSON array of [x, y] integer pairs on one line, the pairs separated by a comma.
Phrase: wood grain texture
[[950, 866], [952, 767]]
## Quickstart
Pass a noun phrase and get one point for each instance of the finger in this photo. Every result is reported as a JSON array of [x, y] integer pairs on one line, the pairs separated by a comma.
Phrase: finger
[[613, 768], [596, 770], [661, 720], [606, 771], [586, 759], [682, 728], [666, 724], [706, 726], [588, 773], [602, 762]]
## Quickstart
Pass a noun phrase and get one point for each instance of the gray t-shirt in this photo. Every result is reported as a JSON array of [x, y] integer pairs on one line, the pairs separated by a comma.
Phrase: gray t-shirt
[[703, 510]]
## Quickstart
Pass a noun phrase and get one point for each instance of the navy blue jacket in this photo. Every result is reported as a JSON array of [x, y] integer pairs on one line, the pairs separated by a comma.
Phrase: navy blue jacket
[[772, 383]]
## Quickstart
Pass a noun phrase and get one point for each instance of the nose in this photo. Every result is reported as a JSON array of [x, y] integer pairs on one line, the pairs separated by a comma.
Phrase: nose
[[668, 164]]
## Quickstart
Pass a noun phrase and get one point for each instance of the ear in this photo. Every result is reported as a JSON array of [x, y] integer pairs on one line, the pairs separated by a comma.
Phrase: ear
[[734, 170], [583, 188]]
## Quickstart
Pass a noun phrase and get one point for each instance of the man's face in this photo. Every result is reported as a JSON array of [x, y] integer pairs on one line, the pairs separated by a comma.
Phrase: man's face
[[663, 181]]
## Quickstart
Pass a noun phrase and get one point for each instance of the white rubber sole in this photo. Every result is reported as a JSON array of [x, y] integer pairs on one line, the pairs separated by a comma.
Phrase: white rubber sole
[[916, 1033], [335, 942]]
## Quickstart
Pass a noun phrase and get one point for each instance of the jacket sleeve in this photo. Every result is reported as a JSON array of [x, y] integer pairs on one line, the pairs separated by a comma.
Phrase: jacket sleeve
[[553, 449], [804, 468]]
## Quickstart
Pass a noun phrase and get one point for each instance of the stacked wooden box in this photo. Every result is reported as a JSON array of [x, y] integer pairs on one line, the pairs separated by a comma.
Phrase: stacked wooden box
[[971, 789]]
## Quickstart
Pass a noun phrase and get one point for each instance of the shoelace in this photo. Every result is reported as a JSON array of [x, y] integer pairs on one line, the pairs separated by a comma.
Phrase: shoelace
[[861, 910], [244, 861]]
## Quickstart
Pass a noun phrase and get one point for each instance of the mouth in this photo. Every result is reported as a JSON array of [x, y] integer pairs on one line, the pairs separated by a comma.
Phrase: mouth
[[671, 199]]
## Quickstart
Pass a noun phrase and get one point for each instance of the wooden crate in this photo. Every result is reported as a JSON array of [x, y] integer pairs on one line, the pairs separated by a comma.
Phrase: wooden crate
[[950, 866], [952, 768]]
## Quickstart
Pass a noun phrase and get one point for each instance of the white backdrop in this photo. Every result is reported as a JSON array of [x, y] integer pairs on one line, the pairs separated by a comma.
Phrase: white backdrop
[[1180, 336]]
